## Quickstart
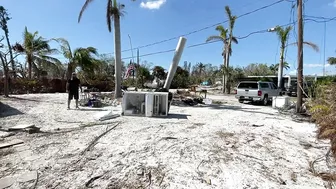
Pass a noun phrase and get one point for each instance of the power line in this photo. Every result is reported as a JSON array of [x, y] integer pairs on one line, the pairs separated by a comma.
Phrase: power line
[[322, 21], [211, 26], [264, 31], [205, 43]]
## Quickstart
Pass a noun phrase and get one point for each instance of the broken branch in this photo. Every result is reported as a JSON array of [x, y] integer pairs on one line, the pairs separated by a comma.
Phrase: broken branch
[[94, 141]]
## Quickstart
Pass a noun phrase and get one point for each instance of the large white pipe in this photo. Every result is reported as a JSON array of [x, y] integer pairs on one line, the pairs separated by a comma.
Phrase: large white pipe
[[176, 60]]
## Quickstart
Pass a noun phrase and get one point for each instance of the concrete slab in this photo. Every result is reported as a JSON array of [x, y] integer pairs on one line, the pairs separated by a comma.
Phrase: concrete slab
[[6, 182], [28, 176]]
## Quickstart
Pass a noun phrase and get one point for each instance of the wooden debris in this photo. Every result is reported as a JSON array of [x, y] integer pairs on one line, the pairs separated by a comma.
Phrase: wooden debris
[[30, 128], [162, 179], [11, 143], [249, 156], [87, 184], [96, 123], [255, 125], [37, 177], [168, 138]]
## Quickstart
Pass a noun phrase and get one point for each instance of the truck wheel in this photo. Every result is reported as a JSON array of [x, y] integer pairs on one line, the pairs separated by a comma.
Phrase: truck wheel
[[241, 101], [265, 100]]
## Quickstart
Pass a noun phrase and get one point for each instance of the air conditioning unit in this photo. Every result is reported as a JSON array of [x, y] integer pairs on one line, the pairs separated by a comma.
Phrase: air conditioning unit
[[149, 104]]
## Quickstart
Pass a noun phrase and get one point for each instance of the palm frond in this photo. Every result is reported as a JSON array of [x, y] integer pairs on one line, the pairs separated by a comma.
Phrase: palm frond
[[234, 39], [215, 38], [221, 29], [65, 47], [86, 4], [108, 15], [49, 59], [310, 44], [283, 34]]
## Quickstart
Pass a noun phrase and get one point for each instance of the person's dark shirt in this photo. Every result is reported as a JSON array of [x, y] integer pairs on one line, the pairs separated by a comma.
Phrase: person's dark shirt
[[73, 84]]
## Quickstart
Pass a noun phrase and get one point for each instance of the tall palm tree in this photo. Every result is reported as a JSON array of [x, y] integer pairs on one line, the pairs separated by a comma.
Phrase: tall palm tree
[[224, 38], [80, 57], [4, 18], [283, 35], [113, 13], [232, 21], [37, 51]]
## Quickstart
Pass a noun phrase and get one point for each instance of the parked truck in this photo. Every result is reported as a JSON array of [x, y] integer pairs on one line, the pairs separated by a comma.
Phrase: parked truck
[[256, 91]]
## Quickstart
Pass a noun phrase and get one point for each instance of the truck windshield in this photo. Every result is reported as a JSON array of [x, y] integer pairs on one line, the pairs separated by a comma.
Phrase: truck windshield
[[248, 86]]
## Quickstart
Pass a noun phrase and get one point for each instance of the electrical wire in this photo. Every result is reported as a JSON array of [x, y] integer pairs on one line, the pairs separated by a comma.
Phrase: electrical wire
[[291, 16], [208, 27], [206, 43]]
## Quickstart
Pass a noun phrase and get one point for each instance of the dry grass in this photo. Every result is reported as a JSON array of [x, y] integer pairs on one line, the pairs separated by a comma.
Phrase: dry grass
[[323, 110]]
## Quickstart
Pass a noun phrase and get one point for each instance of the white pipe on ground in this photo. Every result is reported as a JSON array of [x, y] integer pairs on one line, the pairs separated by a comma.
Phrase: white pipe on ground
[[176, 60]]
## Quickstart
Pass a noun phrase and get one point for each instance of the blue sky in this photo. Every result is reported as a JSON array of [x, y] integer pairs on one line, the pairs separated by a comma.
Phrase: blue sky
[[151, 21]]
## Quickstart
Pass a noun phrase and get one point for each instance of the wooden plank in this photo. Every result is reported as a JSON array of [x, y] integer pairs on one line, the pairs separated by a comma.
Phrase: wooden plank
[[21, 127], [10, 143]]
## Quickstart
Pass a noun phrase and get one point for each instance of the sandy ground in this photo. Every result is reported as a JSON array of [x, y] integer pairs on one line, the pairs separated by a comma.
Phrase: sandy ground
[[227, 146]]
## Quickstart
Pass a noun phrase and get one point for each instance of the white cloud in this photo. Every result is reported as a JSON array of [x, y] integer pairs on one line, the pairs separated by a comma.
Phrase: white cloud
[[292, 72], [315, 65], [333, 3], [152, 4]]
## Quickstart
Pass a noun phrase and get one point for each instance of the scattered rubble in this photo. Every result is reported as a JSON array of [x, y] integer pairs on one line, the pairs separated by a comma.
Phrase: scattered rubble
[[161, 153]]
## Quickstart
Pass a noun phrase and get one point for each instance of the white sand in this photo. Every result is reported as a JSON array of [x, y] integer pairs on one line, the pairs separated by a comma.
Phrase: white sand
[[213, 147]]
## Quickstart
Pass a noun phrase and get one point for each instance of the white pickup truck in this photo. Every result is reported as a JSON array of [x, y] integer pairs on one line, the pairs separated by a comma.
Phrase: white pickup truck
[[254, 91]]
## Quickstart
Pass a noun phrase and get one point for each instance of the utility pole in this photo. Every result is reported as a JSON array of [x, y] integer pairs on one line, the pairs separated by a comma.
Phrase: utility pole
[[137, 67], [300, 57], [324, 47]]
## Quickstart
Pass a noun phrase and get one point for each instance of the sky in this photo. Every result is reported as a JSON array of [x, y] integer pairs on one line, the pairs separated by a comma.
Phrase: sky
[[150, 21]]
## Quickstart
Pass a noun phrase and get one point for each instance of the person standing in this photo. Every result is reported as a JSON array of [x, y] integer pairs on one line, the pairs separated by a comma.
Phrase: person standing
[[73, 86]]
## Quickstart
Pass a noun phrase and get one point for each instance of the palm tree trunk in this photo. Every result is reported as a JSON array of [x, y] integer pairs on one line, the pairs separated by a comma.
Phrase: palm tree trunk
[[117, 50], [11, 55], [280, 68], [227, 87], [69, 71], [5, 68], [224, 67], [29, 62]]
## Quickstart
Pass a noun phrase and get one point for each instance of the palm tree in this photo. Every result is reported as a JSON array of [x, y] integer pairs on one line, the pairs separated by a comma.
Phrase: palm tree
[[332, 60], [283, 35], [113, 13], [37, 51], [275, 67], [232, 21], [4, 18], [200, 68], [222, 37], [80, 57]]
